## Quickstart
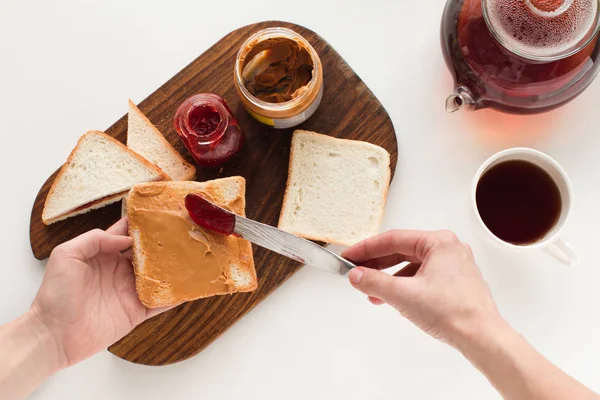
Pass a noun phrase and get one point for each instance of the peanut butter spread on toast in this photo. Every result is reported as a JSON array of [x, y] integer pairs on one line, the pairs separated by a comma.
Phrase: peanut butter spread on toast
[[174, 252]]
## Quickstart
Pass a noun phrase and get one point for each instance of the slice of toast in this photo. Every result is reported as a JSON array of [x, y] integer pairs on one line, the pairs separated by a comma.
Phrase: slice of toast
[[146, 140], [99, 171], [174, 259], [336, 189]]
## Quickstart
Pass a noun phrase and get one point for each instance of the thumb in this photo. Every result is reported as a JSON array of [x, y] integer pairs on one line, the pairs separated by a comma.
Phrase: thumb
[[95, 242], [375, 283]]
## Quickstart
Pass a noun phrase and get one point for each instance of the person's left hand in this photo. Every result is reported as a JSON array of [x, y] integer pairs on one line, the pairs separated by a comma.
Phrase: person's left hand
[[87, 298]]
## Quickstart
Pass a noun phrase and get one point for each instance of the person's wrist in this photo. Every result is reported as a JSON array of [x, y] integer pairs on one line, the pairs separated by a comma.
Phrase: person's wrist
[[489, 333], [54, 356], [468, 334]]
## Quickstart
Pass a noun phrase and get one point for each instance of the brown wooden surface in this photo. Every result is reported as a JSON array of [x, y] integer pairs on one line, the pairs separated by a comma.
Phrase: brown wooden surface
[[349, 110]]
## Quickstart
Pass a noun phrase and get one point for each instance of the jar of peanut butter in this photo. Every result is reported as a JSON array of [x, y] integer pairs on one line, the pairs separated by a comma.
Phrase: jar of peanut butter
[[279, 77]]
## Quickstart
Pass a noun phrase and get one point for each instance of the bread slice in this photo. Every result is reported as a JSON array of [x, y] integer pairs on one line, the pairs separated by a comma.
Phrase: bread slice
[[146, 140], [336, 189], [100, 170], [171, 264]]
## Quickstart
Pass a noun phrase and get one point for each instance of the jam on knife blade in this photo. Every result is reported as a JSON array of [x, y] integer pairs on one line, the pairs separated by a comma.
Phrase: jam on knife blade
[[208, 215]]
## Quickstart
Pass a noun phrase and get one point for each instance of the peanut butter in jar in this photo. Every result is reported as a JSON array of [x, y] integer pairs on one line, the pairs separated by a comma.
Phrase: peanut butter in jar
[[279, 77]]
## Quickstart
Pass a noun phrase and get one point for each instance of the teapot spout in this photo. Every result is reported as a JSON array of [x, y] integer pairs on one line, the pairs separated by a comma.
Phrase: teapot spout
[[462, 98]]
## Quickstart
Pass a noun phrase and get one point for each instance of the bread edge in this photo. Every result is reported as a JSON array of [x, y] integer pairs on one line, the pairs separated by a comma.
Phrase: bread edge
[[192, 167], [92, 206], [332, 138], [245, 243]]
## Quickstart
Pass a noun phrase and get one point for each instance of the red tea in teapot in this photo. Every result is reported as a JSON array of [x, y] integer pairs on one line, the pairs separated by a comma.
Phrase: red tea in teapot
[[520, 56]]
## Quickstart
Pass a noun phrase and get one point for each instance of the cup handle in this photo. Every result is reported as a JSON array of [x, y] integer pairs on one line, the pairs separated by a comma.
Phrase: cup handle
[[563, 252]]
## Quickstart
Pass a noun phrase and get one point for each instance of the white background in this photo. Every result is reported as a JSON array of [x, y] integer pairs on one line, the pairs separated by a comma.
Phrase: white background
[[67, 66]]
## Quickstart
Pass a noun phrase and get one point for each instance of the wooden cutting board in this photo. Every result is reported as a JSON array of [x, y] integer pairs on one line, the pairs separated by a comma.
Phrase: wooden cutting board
[[348, 110]]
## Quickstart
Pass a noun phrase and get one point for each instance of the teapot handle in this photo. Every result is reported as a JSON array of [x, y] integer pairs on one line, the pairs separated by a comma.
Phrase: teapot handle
[[462, 98]]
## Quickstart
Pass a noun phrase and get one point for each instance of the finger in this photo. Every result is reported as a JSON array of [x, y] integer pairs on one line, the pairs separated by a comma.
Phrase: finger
[[376, 301], [119, 228], [95, 242], [384, 262], [404, 242], [128, 254], [375, 283], [408, 271]]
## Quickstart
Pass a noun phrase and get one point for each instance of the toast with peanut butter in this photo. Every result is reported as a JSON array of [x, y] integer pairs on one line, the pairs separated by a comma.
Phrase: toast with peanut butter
[[174, 259]]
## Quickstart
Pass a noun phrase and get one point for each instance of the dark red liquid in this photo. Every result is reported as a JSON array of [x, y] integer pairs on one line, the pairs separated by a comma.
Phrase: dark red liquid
[[204, 120], [502, 79], [208, 215], [518, 201]]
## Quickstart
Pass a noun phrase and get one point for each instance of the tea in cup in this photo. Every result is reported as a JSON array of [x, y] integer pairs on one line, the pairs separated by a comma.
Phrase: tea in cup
[[521, 198]]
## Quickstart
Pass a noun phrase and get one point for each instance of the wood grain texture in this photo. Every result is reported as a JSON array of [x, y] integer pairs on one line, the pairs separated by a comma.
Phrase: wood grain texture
[[348, 110]]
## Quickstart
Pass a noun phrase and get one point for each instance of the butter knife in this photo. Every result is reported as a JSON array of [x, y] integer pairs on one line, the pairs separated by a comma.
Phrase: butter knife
[[211, 216]]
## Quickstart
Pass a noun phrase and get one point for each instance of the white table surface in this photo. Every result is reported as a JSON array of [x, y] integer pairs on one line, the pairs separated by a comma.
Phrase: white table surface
[[69, 65]]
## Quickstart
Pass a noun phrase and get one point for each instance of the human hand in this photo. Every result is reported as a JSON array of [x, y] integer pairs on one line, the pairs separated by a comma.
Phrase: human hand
[[87, 298], [441, 290]]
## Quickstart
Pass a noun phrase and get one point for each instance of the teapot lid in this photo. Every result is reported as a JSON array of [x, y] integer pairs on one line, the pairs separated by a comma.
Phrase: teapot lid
[[543, 30]]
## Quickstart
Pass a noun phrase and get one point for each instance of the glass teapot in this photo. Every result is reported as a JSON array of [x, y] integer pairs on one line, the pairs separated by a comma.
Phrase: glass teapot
[[520, 56]]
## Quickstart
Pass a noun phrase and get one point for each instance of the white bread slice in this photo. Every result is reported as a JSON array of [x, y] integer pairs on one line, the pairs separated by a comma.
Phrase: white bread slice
[[99, 171], [228, 192], [146, 140], [336, 189]]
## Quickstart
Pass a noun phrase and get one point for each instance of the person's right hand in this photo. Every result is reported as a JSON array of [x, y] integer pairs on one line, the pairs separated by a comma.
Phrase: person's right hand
[[441, 290]]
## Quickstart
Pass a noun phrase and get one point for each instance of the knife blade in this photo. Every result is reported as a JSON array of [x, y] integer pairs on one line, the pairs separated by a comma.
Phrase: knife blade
[[211, 216]]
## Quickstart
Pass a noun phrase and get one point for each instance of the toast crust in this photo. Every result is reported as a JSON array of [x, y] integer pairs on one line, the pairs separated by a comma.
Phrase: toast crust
[[90, 206], [97, 203], [287, 186], [192, 168]]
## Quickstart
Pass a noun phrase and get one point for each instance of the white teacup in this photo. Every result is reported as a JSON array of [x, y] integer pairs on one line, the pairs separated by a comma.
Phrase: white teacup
[[550, 242]]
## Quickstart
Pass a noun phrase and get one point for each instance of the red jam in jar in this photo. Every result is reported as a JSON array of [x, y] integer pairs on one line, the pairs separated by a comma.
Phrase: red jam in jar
[[208, 129]]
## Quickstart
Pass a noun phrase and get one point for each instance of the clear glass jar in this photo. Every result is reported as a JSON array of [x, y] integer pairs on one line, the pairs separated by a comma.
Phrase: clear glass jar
[[289, 113], [208, 129]]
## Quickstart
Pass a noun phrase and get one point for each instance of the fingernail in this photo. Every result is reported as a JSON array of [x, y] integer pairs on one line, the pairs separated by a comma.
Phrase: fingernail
[[355, 276]]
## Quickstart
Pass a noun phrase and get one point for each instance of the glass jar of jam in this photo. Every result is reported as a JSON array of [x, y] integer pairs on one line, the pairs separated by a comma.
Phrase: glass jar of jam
[[208, 129], [279, 77]]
